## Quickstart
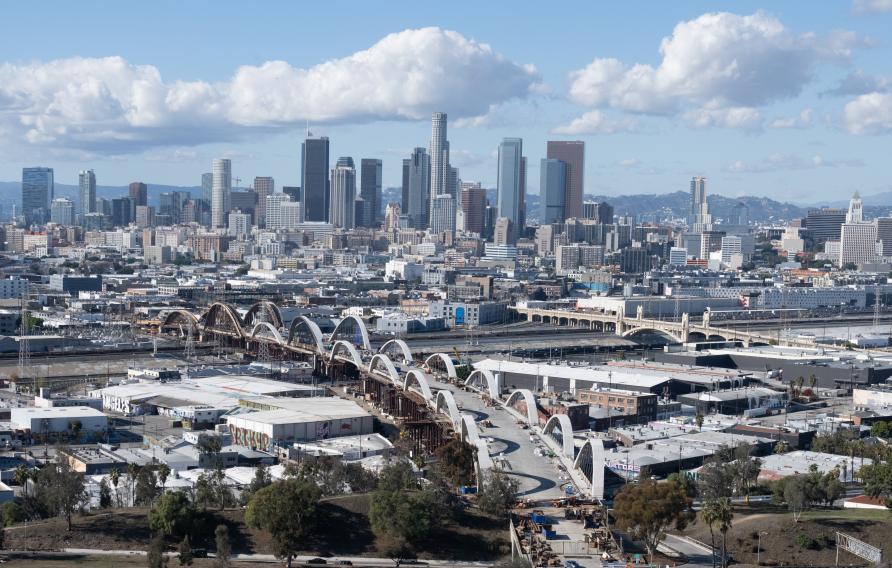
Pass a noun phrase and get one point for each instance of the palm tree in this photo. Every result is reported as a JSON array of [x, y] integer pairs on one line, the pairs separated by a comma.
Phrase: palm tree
[[699, 419], [115, 476], [22, 475], [163, 472], [709, 514], [132, 472], [718, 514]]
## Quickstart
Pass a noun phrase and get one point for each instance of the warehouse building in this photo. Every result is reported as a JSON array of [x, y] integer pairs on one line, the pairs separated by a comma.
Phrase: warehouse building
[[286, 421], [660, 379], [750, 401], [58, 421]]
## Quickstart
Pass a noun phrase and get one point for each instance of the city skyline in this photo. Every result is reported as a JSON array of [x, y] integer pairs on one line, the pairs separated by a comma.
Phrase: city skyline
[[808, 123]]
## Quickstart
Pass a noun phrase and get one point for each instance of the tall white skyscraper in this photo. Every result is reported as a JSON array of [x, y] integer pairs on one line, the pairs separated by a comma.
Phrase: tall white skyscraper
[[856, 210], [274, 203], [508, 180], [698, 197], [442, 214], [343, 194], [440, 169], [221, 187], [857, 239], [87, 192]]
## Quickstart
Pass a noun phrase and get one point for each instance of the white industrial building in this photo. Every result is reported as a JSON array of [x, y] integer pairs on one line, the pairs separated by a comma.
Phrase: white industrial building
[[58, 420], [201, 400], [285, 421]]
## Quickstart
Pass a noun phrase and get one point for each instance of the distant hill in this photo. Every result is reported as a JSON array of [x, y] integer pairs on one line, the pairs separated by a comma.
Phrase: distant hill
[[679, 203]]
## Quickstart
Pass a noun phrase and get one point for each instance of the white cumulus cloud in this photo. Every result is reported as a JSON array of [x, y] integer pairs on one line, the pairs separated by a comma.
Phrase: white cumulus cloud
[[871, 6], [595, 122], [802, 120], [717, 69], [113, 105], [869, 114]]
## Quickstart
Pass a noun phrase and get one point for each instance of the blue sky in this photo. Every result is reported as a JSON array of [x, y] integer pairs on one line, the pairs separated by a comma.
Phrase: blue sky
[[748, 94]]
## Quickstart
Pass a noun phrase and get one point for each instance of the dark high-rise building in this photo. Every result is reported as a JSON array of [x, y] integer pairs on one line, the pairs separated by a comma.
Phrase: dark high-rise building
[[207, 186], [522, 220], [264, 186], [171, 204], [244, 201], [473, 206], [139, 192], [315, 182], [508, 179], [370, 184], [634, 260], [37, 194], [123, 211], [416, 188], [572, 153], [552, 188], [884, 234], [825, 224], [293, 192]]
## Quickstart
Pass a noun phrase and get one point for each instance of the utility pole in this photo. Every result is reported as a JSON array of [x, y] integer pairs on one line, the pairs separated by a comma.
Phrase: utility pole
[[24, 347]]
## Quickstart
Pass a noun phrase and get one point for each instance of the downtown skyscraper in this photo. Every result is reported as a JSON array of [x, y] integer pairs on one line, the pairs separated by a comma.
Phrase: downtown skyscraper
[[441, 208], [221, 187], [698, 197], [343, 194], [509, 180], [370, 186], [572, 153], [552, 188], [37, 194], [416, 188], [86, 181], [315, 184], [139, 192], [264, 186]]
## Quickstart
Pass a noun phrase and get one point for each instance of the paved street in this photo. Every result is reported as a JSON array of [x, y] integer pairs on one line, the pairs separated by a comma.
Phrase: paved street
[[511, 447]]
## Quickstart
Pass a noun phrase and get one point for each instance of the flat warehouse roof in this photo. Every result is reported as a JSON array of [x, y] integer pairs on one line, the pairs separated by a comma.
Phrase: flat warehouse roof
[[297, 410], [592, 374]]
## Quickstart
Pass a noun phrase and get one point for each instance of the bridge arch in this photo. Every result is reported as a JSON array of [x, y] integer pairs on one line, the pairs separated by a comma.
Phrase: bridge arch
[[470, 434], [351, 350], [307, 332], [266, 329], [484, 378], [352, 329], [380, 359], [222, 317], [562, 423], [642, 330], [271, 313], [445, 403], [399, 344], [529, 399], [417, 377], [447, 362], [590, 461], [177, 318]]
